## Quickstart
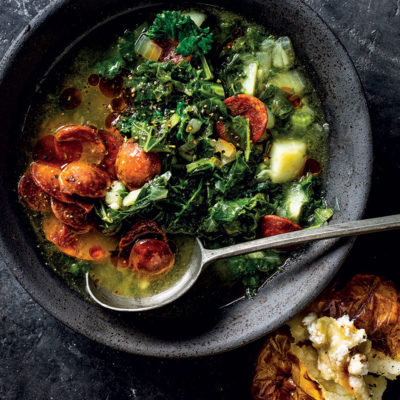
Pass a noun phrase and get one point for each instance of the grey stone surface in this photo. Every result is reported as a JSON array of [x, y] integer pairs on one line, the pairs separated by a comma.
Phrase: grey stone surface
[[42, 359]]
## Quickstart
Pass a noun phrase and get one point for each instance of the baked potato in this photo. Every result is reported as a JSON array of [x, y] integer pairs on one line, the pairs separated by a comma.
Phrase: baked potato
[[358, 321]]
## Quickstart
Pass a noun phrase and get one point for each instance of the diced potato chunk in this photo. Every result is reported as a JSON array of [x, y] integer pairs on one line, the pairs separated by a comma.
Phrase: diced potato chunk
[[251, 76], [293, 80], [227, 150], [287, 160]]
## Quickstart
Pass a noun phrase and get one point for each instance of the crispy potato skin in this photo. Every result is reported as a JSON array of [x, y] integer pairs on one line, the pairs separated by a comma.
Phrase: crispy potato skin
[[374, 305], [135, 167], [85, 180], [32, 195], [279, 375]]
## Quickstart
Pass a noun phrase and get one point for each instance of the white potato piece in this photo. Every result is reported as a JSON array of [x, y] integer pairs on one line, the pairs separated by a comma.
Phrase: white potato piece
[[249, 83], [290, 79], [288, 158], [381, 364]]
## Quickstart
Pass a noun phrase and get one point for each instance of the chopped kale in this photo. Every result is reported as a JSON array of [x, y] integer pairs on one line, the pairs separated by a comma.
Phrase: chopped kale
[[192, 39], [211, 187]]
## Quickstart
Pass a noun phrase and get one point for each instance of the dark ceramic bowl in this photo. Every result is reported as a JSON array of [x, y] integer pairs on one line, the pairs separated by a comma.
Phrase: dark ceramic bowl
[[190, 327]]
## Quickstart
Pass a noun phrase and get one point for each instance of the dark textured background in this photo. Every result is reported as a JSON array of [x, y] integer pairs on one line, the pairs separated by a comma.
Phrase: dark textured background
[[42, 359]]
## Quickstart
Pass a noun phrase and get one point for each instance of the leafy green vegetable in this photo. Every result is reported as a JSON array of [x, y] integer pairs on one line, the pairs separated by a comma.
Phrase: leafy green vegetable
[[300, 202], [320, 217], [276, 101], [151, 192], [238, 130], [192, 39], [252, 268], [236, 217], [236, 175], [173, 109]]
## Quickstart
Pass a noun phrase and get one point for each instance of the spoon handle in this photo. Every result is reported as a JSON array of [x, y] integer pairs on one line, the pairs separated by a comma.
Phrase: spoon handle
[[351, 228]]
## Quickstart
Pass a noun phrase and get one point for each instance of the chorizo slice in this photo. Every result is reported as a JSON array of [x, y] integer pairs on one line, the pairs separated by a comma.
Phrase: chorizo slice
[[77, 142], [143, 229], [47, 178], [69, 151], [251, 108], [32, 195], [85, 180], [221, 131], [312, 166], [168, 51], [151, 258], [72, 215], [85, 204], [272, 225], [135, 167], [112, 141], [45, 151], [91, 246], [64, 237]]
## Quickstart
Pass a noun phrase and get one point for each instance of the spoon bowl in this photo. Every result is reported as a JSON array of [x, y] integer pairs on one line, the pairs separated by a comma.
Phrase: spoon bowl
[[120, 303], [202, 257]]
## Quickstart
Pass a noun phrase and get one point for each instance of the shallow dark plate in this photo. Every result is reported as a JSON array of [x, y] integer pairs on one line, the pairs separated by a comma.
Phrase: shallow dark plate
[[199, 330]]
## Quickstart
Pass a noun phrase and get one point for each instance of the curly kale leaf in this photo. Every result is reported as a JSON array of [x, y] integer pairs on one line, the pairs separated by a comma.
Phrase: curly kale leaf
[[192, 39], [236, 217], [150, 194]]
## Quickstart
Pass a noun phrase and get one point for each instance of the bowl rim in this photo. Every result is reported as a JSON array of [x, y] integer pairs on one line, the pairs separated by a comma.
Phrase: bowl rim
[[338, 250]]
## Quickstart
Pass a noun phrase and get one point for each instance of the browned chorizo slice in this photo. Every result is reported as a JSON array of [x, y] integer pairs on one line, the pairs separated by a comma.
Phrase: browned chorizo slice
[[64, 237], [135, 167], [47, 178], [45, 151], [86, 204], [272, 225], [91, 246], [69, 151], [312, 166], [77, 142], [112, 141], [72, 215], [251, 108], [145, 228], [32, 195], [85, 180], [168, 51], [151, 258], [221, 131]]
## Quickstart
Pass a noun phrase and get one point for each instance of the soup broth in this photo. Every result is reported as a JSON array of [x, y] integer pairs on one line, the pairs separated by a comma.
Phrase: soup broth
[[84, 90]]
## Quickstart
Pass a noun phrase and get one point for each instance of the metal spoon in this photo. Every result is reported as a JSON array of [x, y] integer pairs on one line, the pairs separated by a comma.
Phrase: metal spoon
[[202, 257]]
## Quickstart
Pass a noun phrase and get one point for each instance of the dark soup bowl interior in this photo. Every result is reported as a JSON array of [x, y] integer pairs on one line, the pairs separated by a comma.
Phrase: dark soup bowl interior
[[192, 326]]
